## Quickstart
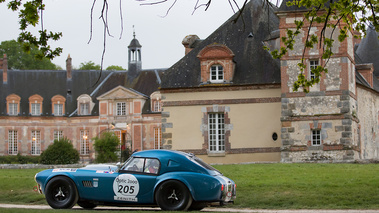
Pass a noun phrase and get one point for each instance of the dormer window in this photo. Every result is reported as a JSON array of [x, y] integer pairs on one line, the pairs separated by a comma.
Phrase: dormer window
[[217, 73], [156, 101], [84, 109], [58, 105], [217, 65], [13, 104], [85, 104], [35, 105], [157, 105]]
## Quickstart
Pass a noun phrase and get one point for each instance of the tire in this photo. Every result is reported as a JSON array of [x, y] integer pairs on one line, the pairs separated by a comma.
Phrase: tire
[[173, 195], [197, 206], [86, 204], [61, 193]]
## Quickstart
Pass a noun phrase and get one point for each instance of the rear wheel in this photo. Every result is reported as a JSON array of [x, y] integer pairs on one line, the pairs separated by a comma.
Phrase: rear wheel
[[173, 195], [86, 204], [61, 193], [197, 206]]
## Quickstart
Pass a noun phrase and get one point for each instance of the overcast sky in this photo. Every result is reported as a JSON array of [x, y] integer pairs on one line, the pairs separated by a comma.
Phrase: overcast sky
[[159, 36]]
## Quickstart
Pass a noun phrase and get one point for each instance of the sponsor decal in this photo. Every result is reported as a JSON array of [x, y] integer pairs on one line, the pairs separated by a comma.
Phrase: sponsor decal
[[104, 171], [64, 170], [126, 188]]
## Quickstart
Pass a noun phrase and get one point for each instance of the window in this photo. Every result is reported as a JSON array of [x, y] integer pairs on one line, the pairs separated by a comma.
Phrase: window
[[84, 108], [58, 134], [58, 105], [316, 137], [58, 109], [36, 109], [312, 65], [217, 73], [216, 132], [121, 108], [157, 106], [13, 103], [84, 142], [157, 138], [36, 142], [12, 142], [13, 109], [146, 165]]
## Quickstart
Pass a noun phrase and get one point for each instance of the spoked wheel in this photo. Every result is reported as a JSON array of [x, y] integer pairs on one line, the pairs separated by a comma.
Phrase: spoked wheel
[[61, 193], [173, 195]]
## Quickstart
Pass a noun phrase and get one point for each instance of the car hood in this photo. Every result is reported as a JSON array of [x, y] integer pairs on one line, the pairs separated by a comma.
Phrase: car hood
[[108, 167]]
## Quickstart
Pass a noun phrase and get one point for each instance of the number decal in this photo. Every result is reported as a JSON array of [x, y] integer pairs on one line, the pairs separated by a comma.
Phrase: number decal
[[126, 188]]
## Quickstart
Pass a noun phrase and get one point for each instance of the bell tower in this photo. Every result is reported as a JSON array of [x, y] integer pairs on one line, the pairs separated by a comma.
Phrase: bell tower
[[134, 52]]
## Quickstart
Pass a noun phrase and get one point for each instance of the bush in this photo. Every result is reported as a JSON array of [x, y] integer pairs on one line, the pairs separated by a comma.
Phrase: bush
[[60, 152], [19, 159], [106, 147]]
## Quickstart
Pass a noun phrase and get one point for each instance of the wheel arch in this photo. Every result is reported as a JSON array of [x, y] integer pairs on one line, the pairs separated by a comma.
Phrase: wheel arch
[[52, 177], [180, 179]]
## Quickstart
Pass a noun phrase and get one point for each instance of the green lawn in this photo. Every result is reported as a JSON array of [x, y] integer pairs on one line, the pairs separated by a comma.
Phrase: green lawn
[[259, 186]]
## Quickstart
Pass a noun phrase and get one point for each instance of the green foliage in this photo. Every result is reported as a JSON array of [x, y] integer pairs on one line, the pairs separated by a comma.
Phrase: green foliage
[[115, 67], [106, 147], [29, 15], [60, 152], [18, 59], [90, 65], [344, 16], [19, 159]]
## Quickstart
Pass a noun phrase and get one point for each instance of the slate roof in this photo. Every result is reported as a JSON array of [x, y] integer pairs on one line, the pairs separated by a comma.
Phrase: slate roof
[[254, 65], [48, 83]]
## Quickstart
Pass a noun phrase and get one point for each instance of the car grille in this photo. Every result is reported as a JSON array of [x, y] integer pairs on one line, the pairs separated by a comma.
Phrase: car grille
[[87, 183]]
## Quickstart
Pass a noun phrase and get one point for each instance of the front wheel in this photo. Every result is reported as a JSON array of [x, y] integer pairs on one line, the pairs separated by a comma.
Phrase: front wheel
[[173, 195], [61, 193]]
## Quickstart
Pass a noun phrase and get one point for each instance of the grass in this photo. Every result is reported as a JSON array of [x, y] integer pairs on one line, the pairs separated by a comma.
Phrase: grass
[[259, 186]]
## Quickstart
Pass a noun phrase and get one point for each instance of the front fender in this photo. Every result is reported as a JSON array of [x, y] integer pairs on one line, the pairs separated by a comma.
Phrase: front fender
[[45, 176], [201, 186]]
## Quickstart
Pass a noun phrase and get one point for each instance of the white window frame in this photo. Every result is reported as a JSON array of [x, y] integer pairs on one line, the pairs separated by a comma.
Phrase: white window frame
[[36, 142], [157, 138], [216, 73], [36, 109], [121, 108], [58, 134], [157, 106], [316, 137], [84, 142], [12, 142], [13, 108], [84, 108], [58, 109], [313, 64], [216, 132]]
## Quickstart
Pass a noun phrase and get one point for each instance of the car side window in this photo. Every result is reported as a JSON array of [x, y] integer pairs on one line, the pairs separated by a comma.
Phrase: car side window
[[151, 166], [135, 165]]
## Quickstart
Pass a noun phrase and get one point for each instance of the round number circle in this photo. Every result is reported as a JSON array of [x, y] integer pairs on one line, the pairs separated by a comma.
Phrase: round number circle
[[126, 185]]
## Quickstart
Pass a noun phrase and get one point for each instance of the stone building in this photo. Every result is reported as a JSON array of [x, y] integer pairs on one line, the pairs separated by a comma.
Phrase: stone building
[[229, 101], [39, 106]]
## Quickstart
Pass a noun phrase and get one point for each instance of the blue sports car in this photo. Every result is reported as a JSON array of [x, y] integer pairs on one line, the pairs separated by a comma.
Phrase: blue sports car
[[172, 180]]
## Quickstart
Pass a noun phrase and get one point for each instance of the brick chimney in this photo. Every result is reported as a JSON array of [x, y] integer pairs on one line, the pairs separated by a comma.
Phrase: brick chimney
[[69, 66], [188, 41], [366, 70], [4, 67]]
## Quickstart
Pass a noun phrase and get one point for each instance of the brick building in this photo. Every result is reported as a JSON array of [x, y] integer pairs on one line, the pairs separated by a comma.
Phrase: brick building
[[39, 106], [229, 101]]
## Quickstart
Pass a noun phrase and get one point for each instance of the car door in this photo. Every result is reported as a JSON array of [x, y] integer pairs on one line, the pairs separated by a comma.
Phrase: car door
[[136, 180]]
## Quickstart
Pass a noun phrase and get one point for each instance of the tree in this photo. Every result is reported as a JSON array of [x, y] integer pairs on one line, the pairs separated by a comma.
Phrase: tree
[[18, 59], [115, 67], [60, 152], [106, 147], [90, 65], [356, 14]]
